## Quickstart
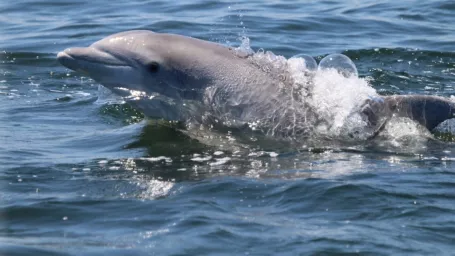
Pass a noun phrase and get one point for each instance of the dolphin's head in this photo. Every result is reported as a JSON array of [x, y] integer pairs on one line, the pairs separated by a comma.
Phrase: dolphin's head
[[137, 60]]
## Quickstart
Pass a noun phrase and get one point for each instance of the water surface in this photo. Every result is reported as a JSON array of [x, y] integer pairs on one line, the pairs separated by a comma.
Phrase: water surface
[[81, 176]]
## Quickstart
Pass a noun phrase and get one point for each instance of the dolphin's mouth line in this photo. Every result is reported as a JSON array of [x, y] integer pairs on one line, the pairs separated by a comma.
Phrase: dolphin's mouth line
[[68, 57]]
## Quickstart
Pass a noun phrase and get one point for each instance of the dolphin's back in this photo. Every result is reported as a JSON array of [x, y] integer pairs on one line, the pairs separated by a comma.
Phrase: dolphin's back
[[429, 111]]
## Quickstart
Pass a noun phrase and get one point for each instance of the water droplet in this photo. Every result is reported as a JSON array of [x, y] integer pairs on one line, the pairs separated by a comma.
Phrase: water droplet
[[340, 63], [310, 62]]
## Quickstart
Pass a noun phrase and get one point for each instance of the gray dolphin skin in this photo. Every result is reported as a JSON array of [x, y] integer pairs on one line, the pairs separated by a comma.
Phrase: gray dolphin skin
[[177, 67], [216, 77]]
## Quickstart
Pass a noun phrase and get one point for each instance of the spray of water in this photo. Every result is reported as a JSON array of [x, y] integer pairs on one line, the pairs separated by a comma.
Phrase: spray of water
[[324, 101]]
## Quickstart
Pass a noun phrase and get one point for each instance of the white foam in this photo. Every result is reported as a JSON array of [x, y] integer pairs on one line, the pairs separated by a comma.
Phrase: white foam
[[323, 103], [220, 161], [157, 159], [273, 154], [218, 153], [337, 99], [201, 159], [156, 188]]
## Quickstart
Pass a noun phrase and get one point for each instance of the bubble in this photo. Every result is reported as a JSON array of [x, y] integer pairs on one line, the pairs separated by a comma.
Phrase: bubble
[[309, 64], [340, 63]]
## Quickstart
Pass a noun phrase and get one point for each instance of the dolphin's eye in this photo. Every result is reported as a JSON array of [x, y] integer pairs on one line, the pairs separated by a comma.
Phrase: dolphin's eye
[[153, 67]]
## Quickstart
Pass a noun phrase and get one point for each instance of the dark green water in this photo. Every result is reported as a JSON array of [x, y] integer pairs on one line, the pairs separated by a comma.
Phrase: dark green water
[[81, 176]]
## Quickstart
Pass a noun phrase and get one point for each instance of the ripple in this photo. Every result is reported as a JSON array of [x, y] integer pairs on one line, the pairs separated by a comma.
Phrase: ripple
[[81, 175]]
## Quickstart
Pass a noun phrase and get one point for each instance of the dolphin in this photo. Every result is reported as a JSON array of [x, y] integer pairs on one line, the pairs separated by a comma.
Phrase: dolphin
[[210, 81]]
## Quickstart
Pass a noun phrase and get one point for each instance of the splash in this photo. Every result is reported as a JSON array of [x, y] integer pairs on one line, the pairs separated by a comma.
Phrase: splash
[[338, 100], [323, 102]]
